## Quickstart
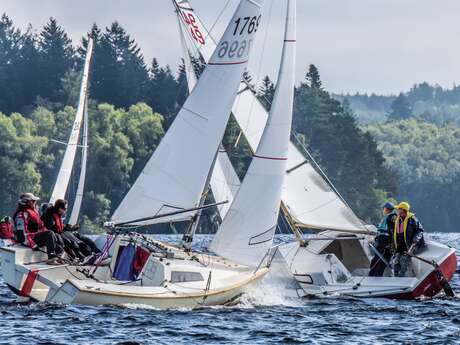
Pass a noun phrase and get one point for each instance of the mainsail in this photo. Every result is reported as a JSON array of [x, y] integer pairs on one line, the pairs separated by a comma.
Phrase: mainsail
[[307, 196], [65, 171], [247, 231], [224, 181], [175, 176]]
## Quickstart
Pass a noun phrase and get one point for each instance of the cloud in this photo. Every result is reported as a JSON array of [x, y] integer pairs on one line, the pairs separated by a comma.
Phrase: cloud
[[381, 46]]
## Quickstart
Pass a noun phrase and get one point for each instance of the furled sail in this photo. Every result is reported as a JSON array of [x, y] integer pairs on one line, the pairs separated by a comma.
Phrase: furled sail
[[246, 233], [307, 196], [175, 176], [65, 171], [81, 181]]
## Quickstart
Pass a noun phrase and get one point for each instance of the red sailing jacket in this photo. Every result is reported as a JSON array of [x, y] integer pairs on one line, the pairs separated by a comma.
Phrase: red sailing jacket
[[52, 220], [27, 220], [6, 229]]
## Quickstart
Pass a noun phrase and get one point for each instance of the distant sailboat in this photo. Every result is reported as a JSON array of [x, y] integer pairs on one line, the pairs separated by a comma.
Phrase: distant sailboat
[[81, 117]]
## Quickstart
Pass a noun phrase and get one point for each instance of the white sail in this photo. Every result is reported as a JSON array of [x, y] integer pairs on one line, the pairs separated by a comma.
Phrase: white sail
[[65, 171], [246, 233], [307, 196], [175, 175], [195, 29], [224, 181], [81, 181]]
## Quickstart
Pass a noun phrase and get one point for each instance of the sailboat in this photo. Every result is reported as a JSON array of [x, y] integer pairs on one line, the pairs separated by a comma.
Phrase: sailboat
[[310, 200], [173, 276], [14, 256]]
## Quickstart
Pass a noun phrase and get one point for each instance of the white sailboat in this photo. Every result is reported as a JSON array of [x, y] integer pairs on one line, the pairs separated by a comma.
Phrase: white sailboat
[[311, 201], [65, 171], [172, 276], [15, 255]]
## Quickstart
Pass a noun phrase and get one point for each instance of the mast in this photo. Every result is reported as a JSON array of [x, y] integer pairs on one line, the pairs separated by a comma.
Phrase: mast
[[65, 171], [187, 239]]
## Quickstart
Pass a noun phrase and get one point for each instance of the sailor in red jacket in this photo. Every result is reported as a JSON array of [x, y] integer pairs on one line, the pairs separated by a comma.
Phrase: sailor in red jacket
[[30, 230]]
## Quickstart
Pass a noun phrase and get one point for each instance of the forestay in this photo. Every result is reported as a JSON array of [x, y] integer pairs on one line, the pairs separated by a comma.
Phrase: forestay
[[246, 233], [175, 175], [65, 171], [307, 195]]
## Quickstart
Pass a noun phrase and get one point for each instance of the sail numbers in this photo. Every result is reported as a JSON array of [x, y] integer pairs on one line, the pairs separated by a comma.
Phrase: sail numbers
[[190, 20], [251, 24], [239, 48], [234, 49]]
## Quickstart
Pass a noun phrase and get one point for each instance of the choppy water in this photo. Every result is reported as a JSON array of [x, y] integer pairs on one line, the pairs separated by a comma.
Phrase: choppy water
[[265, 315]]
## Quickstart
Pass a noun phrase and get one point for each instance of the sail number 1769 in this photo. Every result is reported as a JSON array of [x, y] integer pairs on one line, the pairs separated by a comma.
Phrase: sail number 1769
[[251, 24]]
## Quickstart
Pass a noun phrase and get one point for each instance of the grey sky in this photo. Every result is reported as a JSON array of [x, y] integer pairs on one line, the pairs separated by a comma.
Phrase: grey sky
[[381, 46]]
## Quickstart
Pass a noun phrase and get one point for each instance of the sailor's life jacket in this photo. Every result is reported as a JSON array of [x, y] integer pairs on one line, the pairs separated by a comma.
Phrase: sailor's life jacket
[[387, 224], [6, 229], [412, 233], [53, 220], [27, 224]]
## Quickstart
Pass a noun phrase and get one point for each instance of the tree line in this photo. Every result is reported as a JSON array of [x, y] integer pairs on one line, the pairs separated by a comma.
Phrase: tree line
[[132, 105]]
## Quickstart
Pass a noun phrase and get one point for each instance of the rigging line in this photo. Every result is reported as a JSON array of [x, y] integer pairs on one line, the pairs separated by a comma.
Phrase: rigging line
[[208, 32]]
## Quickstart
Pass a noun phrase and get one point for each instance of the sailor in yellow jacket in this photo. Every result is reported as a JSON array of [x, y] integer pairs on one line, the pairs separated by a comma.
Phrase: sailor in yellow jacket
[[407, 238]]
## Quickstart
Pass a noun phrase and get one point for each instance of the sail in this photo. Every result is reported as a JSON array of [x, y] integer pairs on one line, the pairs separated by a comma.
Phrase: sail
[[246, 233], [195, 29], [81, 181], [224, 181], [307, 195], [175, 175], [65, 171]]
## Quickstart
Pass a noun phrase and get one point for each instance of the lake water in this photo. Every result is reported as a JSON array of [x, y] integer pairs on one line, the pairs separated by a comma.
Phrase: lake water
[[264, 315]]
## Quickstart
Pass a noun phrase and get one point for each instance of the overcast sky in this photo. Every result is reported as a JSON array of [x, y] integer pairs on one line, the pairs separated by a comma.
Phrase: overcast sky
[[381, 46]]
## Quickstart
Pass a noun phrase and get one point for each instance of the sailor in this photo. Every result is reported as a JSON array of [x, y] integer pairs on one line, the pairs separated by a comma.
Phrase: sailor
[[407, 239], [53, 220], [382, 241], [30, 230]]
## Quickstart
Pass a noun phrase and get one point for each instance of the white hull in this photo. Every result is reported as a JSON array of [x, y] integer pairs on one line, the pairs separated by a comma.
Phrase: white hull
[[221, 281], [337, 267]]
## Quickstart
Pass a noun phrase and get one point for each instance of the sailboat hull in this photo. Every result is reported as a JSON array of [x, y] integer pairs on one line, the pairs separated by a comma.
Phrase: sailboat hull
[[339, 268], [26, 273], [90, 293]]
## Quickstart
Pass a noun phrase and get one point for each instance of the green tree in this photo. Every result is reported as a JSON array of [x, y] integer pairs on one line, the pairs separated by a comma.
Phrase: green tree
[[20, 152], [312, 77], [120, 76], [427, 161], [266, 92], [400, 108], [56, 56]]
